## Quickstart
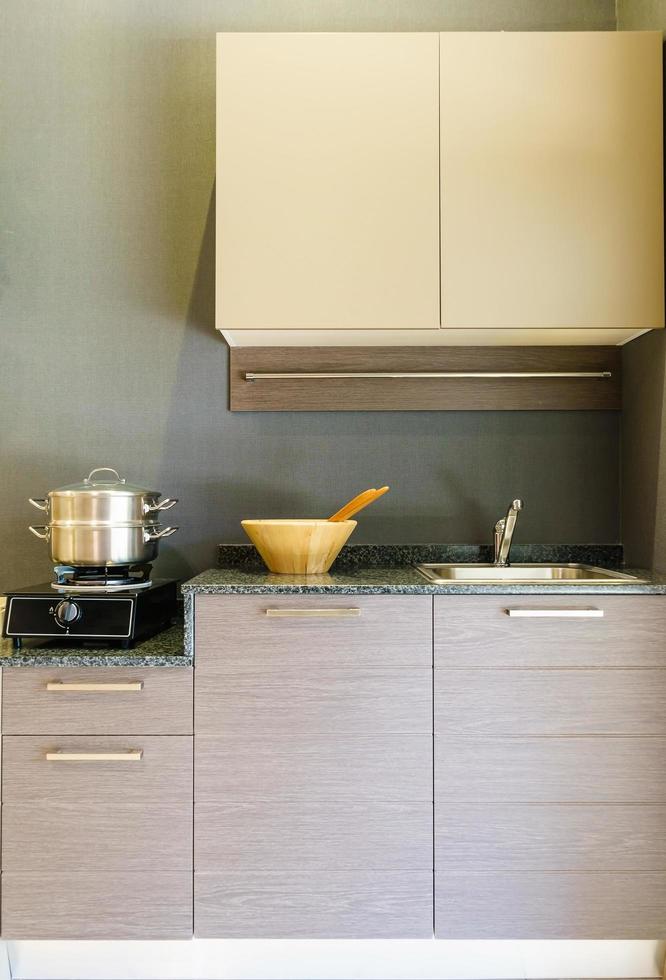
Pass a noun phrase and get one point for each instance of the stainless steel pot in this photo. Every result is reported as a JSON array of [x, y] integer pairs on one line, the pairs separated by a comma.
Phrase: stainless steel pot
[[103, 501], [102, 544]]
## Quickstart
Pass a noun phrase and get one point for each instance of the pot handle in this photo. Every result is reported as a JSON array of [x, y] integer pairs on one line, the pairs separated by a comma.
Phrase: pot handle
[[104, 469], [156, 535], [37, 529], [41, 503], [166, 504]]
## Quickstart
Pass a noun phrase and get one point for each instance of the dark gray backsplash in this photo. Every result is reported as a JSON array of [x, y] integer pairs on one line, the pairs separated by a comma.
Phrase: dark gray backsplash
[[109, 356]]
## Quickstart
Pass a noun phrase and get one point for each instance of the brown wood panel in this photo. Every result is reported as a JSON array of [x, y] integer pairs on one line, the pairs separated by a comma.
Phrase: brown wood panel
[[475, 631], [549, 837], [90, 837], [383, 768], [326, 905], [391, 631], [307, 836], [620, 905], [550, 770], [586, 701], [114, 905], [423, 394], [163, 705], [291, 701], [164, 772]]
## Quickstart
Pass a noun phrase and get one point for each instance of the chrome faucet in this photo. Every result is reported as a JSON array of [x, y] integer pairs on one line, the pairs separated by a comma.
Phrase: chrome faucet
[[504, 533]]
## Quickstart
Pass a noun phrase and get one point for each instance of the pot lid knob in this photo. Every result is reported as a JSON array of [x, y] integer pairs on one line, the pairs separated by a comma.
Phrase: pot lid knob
[[104, 469]]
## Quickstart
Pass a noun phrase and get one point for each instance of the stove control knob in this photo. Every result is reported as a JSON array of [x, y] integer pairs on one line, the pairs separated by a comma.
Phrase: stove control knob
[[67, 612]]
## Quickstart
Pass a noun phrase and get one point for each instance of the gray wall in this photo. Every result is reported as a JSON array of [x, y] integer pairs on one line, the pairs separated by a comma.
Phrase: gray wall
[[109, 355], [644, 415]]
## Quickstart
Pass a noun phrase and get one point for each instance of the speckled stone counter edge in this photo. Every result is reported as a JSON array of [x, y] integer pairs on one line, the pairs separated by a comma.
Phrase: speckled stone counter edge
[[167, 649]]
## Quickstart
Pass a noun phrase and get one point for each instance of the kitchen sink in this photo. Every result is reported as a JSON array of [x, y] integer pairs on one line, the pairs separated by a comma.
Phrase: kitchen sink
[[567, 574]]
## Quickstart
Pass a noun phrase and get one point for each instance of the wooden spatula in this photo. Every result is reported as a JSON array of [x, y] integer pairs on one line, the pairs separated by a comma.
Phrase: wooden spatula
[[358, 503]]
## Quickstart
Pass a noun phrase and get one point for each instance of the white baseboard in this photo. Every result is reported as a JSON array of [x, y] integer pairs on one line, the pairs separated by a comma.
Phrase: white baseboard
[[202, 959]]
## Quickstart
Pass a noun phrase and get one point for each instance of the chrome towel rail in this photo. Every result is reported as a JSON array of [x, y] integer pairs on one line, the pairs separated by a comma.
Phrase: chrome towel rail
[[344, 375]]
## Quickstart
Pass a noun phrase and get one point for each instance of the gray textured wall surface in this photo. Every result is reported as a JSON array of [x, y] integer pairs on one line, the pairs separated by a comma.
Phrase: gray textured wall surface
[[644, 416], [109, 355]]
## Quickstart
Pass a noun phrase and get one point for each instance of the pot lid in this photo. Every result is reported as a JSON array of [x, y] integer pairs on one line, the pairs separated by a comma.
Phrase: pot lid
[[104, 479]]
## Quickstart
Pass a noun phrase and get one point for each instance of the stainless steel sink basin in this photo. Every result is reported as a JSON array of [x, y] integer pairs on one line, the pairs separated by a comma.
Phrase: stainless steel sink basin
[[568, 574]]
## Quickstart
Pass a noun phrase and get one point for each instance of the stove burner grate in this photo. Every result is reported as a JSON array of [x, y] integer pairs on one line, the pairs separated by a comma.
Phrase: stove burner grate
[[105, 578]]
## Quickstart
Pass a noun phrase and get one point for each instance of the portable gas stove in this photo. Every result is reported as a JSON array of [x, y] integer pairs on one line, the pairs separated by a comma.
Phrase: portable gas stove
[[108, 605]]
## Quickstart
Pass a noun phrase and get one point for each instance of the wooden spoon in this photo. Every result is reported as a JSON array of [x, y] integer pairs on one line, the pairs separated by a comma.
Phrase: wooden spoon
[[358, 503]]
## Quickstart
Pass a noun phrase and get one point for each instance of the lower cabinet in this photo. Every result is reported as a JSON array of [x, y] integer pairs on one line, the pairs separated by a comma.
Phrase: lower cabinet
[[313, 780], [97, 829], [550, 768], [306, 803]]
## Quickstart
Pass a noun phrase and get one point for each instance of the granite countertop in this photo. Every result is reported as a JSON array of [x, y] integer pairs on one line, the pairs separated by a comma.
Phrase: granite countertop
[[388, 569], [166, 649], [403, 580]]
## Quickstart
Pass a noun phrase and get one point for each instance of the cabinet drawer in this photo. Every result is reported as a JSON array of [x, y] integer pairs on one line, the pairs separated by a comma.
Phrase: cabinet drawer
[[334, 905], [550, 770], [550, 906], [476, 631], [96, 838], [293, 701], [313, 631], [390, 768], [551, 837], [75, 905], [313, 837], [97, 701], [163, 771], [550, 702]]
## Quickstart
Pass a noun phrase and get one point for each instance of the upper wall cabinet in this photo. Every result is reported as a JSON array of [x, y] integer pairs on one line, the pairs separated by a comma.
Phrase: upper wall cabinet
[[373, 188], [551, 178], [327, 181]]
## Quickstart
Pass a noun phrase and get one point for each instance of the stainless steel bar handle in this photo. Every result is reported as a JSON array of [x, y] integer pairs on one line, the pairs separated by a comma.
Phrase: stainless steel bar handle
[[97, 687], [130, 755], [349, 612], [586, 612], [41, 503], [344, 375]]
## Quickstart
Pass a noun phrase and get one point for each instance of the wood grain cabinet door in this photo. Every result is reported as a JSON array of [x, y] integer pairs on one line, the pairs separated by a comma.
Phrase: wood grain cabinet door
[[97, 837], [327, 181], [97, 701], [307, 632], [313, 766], [552, 187], [550, 767]]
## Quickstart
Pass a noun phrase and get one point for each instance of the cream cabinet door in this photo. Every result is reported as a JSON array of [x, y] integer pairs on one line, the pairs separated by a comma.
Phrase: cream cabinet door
[[551, 180], [327, 181]]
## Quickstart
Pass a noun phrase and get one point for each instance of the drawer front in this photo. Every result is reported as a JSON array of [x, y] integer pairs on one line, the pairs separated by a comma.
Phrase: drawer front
[[92, 838], [394, 768], [333, 905], [313, 631], [97, 701], [162, 772], [550, 906], [550, 702], [476, 631], [270, 835], [550, 770], [533, 837], [291, 701], [75, 905]]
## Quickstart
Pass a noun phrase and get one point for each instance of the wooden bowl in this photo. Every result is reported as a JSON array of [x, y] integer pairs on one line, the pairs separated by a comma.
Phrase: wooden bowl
[[298, 547]]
